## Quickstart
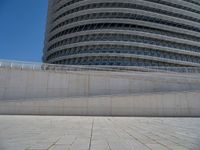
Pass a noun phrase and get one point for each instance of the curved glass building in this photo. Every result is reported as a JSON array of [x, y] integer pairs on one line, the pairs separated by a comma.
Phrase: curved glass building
[[123, 32]]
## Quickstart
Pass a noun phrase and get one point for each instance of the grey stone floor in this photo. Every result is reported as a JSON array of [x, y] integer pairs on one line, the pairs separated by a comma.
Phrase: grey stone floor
[[98, 133]]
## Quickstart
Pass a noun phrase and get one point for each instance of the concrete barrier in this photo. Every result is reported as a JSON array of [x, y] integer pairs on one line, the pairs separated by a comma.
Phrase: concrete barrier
[[157, 104], [26, 84], [32, 92]]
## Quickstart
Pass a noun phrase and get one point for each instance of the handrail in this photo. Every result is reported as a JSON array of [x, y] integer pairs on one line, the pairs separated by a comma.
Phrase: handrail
[[54, 67]]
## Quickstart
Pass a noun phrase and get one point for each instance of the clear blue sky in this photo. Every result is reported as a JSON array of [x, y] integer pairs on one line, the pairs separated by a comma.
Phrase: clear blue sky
[[22, 28]]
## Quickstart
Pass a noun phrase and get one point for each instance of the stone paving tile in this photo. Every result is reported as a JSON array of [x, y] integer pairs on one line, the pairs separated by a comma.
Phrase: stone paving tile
[[136, 145], [40, 146], [60, 147], [100, 145], [98, 133], [157, 147]]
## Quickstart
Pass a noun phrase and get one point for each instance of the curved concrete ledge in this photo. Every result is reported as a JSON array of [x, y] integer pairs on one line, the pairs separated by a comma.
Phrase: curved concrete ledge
[[102, 93], [185, 104], [22, 84]]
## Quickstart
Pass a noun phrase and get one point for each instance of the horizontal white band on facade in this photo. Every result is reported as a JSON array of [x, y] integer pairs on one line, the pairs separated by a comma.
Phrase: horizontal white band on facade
[[126, 32], [141, 3], [127, 11], [142, 45], [126, 21], [145, 3], [125, 56]]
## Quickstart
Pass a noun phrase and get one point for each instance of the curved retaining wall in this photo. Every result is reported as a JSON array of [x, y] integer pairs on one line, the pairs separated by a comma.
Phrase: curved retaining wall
[[18, 84], [186, 104], [131, 93], [123, 32]]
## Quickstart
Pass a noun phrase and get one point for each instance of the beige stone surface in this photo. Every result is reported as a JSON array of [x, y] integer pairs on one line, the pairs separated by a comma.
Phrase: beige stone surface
[[98, 133]]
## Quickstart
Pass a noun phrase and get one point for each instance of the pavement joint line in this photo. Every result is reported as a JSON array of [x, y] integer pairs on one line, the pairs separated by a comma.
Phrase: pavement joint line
[[109, 120], [176, 138], [165, 138], [54, 143], [131, 135], [91, 134], [171, 135], [108, 144], [171, 140], [149, 137], [70, 145], [106, 139]]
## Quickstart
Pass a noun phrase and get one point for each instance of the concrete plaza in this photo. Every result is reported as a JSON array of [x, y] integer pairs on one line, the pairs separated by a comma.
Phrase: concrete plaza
[[98, 133]]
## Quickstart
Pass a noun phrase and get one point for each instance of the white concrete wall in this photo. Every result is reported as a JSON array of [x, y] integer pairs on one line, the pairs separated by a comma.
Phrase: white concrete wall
[[157, 104], [25, 84]]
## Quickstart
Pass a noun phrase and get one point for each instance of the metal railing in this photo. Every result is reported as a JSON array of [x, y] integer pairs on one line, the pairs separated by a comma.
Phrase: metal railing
[[54, 67]]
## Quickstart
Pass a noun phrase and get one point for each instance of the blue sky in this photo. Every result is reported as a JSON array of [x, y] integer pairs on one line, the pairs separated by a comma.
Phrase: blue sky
[[22, 28]]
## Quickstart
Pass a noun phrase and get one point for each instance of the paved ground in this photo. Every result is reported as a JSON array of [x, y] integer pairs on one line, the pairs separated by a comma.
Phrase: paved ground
[[98, 133]]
